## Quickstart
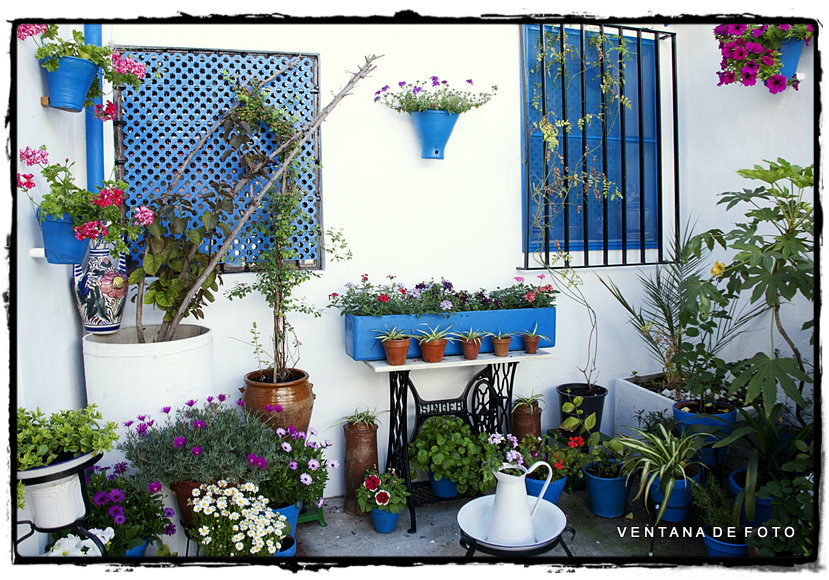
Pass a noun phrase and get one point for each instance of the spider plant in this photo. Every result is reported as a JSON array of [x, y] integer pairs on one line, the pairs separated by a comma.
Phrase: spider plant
[[435, 333], [471, 335], [391, 334], [662, 455], [528, 400]]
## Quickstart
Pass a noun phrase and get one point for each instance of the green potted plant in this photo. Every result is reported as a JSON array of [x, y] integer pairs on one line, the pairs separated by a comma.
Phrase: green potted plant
[[200, 442], [51, 454], [72, 66], [434, 107], [667, 469], [396, 345], [135, 513], [432, 342], [222, 511], [383, 495], [714, 507], [531, 339], [606, 478], [566, 458], [526, 415], [447, 450], [470, 341], [500, 342], [754, 52], [360, 440]]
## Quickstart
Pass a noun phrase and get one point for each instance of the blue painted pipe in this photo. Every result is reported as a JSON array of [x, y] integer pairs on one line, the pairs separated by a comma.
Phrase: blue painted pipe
[[94, 127]]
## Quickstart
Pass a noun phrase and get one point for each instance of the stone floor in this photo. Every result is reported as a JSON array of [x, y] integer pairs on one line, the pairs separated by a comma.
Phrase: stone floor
[[352, 539]]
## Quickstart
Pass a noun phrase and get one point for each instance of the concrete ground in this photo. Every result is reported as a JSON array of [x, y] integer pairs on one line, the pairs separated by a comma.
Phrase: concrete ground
[[352, 539]]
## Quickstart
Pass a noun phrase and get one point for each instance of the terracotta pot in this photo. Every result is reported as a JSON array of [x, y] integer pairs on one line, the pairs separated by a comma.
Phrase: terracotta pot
[[296, 397], [360, 456], [470, 348], [531, 344], [526, 421], [396, 350], [500, 346], [432, 350], [184, 490]]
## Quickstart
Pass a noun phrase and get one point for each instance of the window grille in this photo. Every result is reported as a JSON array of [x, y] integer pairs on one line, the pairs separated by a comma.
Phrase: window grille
[[606, 191], [182, 96]]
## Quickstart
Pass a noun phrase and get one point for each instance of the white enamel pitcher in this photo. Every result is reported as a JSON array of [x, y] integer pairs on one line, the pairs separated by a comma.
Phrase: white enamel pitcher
[[511, 523]]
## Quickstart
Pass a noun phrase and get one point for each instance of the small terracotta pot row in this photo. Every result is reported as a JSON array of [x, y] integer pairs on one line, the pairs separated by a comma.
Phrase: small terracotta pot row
[[432, 350]]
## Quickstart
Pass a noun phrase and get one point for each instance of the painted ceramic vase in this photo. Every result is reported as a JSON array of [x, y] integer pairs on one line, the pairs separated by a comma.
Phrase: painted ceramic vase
[[100, 289]]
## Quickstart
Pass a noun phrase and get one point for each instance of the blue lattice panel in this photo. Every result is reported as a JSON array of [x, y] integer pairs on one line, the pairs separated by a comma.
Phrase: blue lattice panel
[[182, 96]]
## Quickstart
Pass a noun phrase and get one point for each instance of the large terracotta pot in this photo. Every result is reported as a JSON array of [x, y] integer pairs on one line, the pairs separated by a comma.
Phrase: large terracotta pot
[[526, 420], [360, 456], [296, 397], [184, 491]]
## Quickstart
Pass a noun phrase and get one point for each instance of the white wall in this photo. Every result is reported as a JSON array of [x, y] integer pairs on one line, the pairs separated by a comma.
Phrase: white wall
[[403, 215]]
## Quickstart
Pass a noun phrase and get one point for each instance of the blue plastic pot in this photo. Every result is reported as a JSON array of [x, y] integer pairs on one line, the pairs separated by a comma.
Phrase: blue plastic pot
[[59, 242], [608, 495], [722, 423], [288, 548], [433, 128], [70, 82], [534, 487], [790, 56], [718, 549], [762, 505], [443, 488], [680, 500], [384, 521], [291, 513], [138, 551]]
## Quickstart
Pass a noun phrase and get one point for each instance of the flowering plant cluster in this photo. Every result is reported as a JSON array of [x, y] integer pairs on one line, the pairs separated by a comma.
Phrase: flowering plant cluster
[[297, 471], [134, 513], [234, 520], [566, 454], [383, 491], [97, 216], [432, 95], [117, 69], [199, 442], [499, 449], [72, 546], [751, 53], [432, 297]]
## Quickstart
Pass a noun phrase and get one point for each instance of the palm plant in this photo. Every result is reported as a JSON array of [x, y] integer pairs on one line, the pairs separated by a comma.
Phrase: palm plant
[[663, 456]]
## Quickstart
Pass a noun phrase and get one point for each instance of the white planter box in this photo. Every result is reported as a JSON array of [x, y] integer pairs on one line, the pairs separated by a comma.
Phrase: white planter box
[[629, 399]]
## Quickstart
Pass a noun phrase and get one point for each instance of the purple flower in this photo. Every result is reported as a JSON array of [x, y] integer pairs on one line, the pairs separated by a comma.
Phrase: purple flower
[[280, 432], [222, 398], [286, 447], [128, 423], [312, 432], [273, 408], [795, 82], [116, 510], [754, 47], [401, 84], [739, 53], [785, 27], [154, 487], [435, 81], [726, 78], [240, 403], [758, 32], [300, 435], [306, 479], [119, 519], [100, 498], [313, 464], [469, 82], [447, 285], [293, 465], [170, 529], [190, 403], [519, 278], [749, 77], [196, 450], [198, 424], [169, 512], [120, 467], [737, 29], [776, 84], [179, 442], [721, 29], [117, 495], [262, 463], [320, 502], [334, 464], [416, 90], [165, 409], [210, 399], [141, 429], [446, 305], [142, 418]]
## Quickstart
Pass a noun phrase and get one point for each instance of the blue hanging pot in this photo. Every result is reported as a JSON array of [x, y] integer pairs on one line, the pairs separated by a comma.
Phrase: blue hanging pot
[[59, 242], [433, 128], [70, 83], [790, 56]]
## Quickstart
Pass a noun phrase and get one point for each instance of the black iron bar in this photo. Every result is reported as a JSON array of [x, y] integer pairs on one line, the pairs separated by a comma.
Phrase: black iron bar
[[659, 189], [640, 91], [623, 147], [528, 227], [565, 140], [585, 229], [605, 241]]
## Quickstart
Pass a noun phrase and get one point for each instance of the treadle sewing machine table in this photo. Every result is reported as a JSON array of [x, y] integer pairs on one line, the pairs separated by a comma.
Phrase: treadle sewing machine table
[[485, 404]]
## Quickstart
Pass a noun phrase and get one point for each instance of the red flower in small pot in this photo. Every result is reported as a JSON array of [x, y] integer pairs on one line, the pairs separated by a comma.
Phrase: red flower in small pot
[[382, 497], [372, 482]]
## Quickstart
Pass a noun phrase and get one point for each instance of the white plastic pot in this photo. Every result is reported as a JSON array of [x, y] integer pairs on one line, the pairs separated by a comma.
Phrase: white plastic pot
[[57, 503]]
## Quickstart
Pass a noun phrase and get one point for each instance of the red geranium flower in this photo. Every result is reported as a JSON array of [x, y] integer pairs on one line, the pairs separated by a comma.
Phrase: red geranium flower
[[383, 298], [559, 464], [382, 497], [372, 482], [575, 442]]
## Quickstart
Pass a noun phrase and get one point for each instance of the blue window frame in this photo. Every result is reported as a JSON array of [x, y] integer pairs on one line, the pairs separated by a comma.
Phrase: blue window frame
[[594, 169], [185, 95]]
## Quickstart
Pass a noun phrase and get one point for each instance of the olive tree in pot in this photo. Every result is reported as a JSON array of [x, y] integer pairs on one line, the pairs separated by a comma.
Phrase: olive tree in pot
[[183, 252]]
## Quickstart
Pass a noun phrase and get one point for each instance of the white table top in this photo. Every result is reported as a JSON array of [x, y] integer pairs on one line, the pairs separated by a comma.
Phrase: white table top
[[416, 364]]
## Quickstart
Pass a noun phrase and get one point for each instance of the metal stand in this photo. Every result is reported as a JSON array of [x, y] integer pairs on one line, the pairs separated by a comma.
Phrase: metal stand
[[473, 546], [485, 404]]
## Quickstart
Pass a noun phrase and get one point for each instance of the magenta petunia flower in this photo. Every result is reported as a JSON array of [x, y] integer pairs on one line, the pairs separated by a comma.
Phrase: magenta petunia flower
[[739, 53], [767, 59], [776, 84], [737, 29], [749, 77]]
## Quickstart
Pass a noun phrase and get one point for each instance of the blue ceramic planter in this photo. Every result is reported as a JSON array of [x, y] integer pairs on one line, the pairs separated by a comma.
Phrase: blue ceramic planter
[[433, 128], [70, 82], [444, 488], [138, 551], [384, 522], [722, 424], [608, 495], [678, 503], [288, 548], [790, 56], [361, 331], [534, 487], [59, 242], [291, 513], [718, 549], [762, 507]]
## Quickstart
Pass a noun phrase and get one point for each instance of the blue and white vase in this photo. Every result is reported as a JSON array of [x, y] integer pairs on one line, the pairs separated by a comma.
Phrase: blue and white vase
[[100, 289]]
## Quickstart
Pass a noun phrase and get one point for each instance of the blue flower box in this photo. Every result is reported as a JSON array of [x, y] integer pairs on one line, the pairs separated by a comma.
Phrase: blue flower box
[[361, 331]]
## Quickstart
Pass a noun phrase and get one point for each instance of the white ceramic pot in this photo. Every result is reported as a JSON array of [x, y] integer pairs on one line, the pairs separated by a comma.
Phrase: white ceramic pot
[[630, 398], [126, 378], [57, 503]]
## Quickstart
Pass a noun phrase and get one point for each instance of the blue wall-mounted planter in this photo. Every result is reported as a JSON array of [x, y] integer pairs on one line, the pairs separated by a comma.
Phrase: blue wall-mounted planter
[[59, 242], [361, 331], [433, 128], [790, 56], [70, 82]]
